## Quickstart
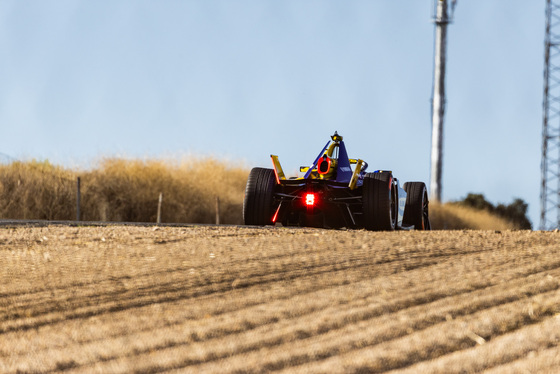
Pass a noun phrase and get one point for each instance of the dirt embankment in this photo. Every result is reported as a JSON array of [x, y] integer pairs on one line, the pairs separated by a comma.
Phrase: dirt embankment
[[203, 299]]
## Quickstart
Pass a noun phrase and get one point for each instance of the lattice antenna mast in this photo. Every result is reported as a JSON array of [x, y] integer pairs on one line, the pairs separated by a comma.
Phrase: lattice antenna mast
[[442, 19], [550, 163]]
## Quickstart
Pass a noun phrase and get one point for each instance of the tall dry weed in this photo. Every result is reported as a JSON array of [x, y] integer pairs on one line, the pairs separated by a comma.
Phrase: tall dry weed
[[125, 190], [37, 190], [450, 216]]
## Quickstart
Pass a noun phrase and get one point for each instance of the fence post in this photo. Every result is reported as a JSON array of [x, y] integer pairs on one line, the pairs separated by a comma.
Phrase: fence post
[[159, 208], [78, 199], [217, 210]]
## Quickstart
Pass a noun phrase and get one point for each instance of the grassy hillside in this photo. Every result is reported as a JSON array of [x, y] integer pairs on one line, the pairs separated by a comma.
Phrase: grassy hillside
[[128, 190], [124, 190], [450, 216]]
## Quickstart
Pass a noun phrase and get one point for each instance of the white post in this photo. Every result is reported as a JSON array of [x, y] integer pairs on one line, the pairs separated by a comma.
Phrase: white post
[[438, 100]]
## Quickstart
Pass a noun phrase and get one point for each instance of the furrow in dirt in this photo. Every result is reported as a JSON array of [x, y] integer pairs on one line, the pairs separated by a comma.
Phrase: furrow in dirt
[[221, 300], [98, 303], [376, 251], [263, 264], [119, 290], [46, 293], [500, 354], [130, 300], [334, 330], [441, 339], [327, 341], [539, 360]]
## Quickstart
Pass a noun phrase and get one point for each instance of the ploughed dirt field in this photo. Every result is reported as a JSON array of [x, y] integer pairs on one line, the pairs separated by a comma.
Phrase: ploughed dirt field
[[127, 299]]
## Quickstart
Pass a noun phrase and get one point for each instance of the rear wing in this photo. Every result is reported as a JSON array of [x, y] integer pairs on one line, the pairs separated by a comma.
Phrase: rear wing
[[281, 177]]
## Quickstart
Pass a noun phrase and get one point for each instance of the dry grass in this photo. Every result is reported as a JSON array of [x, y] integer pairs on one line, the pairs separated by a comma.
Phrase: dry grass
[[450, 216], [228, 299], [127, 190], [37, 190]]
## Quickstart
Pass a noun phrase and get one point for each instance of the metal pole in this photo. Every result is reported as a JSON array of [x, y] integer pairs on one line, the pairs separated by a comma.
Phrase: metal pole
[[546, 106], [438, 100], [550, 163], [78, 199]]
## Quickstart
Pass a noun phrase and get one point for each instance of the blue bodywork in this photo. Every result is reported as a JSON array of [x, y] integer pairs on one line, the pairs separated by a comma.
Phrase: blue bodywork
[[343, 168]]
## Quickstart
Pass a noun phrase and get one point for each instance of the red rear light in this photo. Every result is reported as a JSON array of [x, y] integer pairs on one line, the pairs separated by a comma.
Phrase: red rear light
[[310, 199], [275, 215]]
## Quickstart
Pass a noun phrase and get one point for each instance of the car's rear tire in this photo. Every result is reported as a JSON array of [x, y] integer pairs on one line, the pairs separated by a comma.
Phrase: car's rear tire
[[416, 210], [259, 194], [379, 202]]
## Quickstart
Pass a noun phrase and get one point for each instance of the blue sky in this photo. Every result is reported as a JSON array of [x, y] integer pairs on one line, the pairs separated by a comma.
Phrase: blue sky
[[241, 79]]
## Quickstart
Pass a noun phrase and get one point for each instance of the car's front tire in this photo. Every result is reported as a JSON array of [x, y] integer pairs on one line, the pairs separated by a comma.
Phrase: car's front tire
[[259, 194]]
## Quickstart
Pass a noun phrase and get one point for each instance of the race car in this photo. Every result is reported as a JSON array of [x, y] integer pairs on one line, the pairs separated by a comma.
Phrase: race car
[[335, 192]]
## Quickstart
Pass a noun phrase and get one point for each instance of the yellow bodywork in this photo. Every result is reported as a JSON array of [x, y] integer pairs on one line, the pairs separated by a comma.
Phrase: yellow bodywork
[[354, 178], [277, 168], [315, 175]]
